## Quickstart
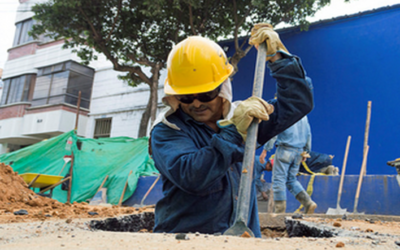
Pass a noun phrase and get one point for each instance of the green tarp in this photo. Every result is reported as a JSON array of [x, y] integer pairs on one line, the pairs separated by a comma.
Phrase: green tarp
[[94, 159]]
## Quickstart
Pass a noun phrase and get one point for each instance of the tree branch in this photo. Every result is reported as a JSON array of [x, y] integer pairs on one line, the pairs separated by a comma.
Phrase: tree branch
[[191, 20], [235, 32], [115, 21], [90, 23]]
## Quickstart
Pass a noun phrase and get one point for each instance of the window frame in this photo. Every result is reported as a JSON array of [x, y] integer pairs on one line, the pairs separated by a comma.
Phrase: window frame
[[102, 128], [21, 35], [25, 91], [70, 68]]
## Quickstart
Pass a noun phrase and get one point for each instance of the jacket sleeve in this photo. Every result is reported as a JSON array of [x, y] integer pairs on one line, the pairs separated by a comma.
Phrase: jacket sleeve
[[294, 97], [188, 166]]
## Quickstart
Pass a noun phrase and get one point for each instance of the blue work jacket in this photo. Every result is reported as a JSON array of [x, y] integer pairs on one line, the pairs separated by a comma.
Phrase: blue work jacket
[[200, 168]]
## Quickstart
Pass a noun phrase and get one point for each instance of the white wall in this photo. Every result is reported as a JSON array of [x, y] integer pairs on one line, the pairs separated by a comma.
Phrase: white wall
[[58, 121], [114, 98], [3, 148]]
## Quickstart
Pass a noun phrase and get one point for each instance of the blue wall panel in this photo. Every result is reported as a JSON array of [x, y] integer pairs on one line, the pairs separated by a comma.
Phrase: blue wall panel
[[379, 194], [351, 61]]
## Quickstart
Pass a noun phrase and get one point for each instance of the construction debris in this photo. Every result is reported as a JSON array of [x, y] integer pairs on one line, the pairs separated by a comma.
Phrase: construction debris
[[73, 226], [18, 203], [130, 223]]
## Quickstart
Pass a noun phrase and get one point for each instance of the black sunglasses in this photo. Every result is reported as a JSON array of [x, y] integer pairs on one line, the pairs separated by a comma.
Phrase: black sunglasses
[[202, 97]]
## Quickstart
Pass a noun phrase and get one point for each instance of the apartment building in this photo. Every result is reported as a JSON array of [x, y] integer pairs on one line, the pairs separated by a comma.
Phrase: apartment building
[[41, 82]]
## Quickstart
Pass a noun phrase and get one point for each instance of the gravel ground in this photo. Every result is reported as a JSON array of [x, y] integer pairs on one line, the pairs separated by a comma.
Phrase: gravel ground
[[75, 234]]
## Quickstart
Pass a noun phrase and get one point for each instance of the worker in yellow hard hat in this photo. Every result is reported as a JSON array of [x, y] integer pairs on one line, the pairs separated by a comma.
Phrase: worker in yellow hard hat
[[197, 141]]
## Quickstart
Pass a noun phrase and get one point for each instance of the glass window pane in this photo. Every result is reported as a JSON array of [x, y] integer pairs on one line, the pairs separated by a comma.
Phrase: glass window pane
[[19, 87], [47, 70], [11, 92], [25, 37], [42, 87], [6, 87], [27, 87], [81, 83], [73, 100], [39, 102], [82, 69], [17, 33], [59, 83], [56, 99], [58, 67]]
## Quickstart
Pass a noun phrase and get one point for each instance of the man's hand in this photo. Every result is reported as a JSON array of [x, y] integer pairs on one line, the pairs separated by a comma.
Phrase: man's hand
[[305, 155], [263, 32], [268, 166], [262, 156], [245, 112]]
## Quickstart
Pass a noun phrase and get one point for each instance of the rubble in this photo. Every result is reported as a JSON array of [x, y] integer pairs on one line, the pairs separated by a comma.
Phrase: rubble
[[18, 203], [131, 223], [47, 221]]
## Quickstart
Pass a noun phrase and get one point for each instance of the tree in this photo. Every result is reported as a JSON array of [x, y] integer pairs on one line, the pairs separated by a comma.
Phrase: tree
[[137, 34], [234, 19]]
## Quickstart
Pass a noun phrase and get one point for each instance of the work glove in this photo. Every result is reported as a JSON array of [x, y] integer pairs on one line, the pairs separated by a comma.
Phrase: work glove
[[305, 155], [263, 32], [245, 112]]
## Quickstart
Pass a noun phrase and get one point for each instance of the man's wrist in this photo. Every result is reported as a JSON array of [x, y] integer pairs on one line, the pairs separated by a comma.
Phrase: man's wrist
[[276, 57]]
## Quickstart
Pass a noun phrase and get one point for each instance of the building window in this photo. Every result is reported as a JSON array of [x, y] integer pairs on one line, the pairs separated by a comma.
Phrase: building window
[[21, 32], [18, 89], [61, 83], [102, 128]]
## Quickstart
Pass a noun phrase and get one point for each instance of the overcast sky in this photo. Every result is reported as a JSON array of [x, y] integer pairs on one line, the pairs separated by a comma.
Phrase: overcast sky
[[8, 10]]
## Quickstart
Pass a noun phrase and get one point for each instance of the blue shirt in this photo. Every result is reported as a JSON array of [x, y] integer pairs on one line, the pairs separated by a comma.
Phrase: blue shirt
[[200, 168], [297, 136]]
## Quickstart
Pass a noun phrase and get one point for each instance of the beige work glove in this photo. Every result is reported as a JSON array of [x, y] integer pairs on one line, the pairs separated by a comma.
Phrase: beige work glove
[[263, 32], [245, 112]]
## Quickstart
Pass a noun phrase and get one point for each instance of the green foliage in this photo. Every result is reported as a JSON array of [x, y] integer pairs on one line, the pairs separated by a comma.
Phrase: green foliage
[[135, 34], [132, 33]]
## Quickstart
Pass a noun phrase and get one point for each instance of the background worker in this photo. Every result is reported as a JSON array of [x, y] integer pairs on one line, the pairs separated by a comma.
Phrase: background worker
[[262, 186], [316, 163], [319, 163], [199, 160], [293, 145]]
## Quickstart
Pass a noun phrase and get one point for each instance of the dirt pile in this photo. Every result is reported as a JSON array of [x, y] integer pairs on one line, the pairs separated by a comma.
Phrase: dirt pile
[[15, 196]]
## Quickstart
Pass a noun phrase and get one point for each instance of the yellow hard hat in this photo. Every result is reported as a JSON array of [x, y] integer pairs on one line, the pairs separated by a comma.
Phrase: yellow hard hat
[[196, 65]]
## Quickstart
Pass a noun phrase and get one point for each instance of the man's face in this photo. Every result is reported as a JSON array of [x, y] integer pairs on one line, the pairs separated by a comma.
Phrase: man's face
[[206, 112]]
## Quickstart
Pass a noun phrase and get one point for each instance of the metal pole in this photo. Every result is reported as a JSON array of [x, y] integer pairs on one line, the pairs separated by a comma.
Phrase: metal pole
[[243, 205]]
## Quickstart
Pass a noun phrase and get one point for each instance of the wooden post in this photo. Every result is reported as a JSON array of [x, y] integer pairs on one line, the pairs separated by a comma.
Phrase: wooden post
[[102, 184], [360, 179], [343, 171], [55, 185], [78, 106], [70, 175], [367, 132], [123, 191], [34, 180]]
